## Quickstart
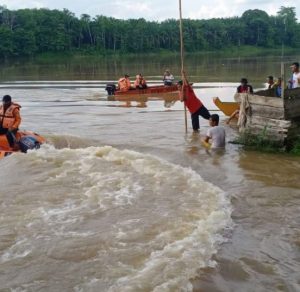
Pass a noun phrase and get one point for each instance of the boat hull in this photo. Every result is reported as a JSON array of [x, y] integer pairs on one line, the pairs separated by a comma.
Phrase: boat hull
[[5, 148], [228, 108], [272, 118], [150, 90]]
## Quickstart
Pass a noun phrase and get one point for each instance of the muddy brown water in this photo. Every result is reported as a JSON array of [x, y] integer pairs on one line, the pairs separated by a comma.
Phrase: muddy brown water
[[121, 199]]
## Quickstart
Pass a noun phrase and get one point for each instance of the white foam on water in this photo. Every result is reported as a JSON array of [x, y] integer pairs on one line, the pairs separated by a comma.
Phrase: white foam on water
[[20, 249], [134, 221]]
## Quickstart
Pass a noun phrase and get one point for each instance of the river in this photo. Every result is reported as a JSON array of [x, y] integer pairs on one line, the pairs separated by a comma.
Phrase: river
[[122, 199]]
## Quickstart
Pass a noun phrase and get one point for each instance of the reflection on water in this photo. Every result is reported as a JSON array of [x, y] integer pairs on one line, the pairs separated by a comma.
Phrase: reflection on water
[[200, 68], [169, 100]]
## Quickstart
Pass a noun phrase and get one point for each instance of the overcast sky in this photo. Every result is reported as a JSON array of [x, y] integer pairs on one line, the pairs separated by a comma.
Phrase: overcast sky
[[156, 9]]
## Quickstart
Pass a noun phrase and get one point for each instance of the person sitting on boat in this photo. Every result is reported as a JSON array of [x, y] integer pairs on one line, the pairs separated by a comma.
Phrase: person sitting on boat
[[124, 83], [278, 87], [244, 87], [194, 105], [270, 81], [295, 80], [140, 82], [168, 78], [10, 119]]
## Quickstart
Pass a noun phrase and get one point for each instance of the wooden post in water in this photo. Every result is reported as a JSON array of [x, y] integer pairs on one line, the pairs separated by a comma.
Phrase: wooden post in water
[[282, 80], [182, 59]]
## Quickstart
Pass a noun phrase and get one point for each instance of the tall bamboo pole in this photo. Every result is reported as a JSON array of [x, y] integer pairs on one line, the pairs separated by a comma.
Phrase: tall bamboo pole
[[182, 60], [282, 79]]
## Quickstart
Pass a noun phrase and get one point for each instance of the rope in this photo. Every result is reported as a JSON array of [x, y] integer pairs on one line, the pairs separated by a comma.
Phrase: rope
[[182, 60]]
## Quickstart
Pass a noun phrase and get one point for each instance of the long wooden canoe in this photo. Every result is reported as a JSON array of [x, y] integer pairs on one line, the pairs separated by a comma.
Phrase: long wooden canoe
[[150, 90], [226, 107]]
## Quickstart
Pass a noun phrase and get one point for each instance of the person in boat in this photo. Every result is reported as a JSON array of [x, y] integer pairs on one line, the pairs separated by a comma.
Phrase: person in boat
[[192, 102], [244, 87], [270, 82], [294, 82], [216, 133], [124, 83], [278, 87], [168, 78], [10, 119], [140, 82]]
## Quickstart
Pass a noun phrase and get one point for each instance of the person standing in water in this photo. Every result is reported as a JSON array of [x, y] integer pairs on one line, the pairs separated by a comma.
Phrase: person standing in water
[[192, 102]]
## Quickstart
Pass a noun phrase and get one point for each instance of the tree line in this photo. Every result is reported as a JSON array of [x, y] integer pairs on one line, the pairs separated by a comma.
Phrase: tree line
[[27, 32]]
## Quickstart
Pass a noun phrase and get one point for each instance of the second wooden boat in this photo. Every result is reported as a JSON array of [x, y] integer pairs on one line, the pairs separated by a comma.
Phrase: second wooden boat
[[226, 107]]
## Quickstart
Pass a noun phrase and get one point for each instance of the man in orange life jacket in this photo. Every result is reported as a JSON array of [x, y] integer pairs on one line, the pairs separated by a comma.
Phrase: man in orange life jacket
[[124, 83], [140, 82], [193, 103], [10, 119]]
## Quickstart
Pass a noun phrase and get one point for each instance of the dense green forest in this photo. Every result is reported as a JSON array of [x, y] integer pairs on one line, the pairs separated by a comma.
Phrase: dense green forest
[[28, 32]]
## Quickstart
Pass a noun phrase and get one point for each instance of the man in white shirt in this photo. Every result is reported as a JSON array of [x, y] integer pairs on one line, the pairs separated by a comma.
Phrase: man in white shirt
[[295, 81], [216, 133]]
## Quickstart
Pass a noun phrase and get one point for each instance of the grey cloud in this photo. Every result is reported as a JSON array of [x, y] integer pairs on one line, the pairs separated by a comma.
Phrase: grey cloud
[[156, 9]]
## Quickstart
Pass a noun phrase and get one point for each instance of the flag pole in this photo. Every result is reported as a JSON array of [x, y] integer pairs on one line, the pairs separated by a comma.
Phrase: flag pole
[[182, 60], [282, 79]]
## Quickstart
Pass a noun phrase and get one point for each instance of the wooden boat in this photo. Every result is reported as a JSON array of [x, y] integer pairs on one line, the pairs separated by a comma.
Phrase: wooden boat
[[271, 117], [226, 107], [150, 90], [25, 140]]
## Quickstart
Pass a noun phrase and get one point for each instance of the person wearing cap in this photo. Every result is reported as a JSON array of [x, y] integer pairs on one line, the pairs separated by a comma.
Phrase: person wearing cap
[[270, 81], [140, 82], [295, 80], [168, 78], [124, 83], [192, 102], [10, 119]]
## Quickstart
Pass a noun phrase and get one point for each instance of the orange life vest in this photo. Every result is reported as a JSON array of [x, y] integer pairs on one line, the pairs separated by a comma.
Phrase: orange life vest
[[124, 84], [7, 118], [139, 81]]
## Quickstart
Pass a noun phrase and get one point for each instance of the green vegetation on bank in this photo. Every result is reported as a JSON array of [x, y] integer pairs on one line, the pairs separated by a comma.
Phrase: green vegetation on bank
[[242, 51], [29, 32], [261, 142]]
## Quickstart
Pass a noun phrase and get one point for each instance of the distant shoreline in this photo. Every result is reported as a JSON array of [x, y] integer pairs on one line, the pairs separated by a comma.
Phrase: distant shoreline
[[243, 51]]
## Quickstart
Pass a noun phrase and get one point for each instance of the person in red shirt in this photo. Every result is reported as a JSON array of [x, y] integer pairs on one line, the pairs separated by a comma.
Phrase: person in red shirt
[[193, 103], [244, 87]]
